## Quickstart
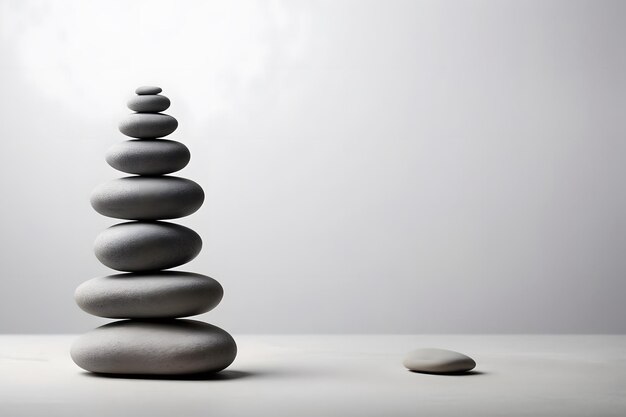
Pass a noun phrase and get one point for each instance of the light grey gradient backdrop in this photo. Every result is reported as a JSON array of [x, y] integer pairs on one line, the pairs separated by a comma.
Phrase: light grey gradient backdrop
[[369, 167]]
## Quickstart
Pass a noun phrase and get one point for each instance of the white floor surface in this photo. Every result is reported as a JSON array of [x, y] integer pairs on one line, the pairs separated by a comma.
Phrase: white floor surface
[[325, 376]]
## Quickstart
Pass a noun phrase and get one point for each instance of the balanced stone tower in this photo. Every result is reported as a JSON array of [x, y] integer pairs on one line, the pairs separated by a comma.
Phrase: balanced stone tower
[[153, 340]]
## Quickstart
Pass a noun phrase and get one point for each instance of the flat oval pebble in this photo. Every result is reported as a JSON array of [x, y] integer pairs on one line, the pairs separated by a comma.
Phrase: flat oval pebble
[[149, 295], [146, 246], [147, 198], [148, 156], [438, 361], [148, 125], [147, 90], [148, 104], [169, 347]]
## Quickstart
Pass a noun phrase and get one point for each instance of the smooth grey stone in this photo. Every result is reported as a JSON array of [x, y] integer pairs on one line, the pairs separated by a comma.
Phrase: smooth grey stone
[[148, 156], [146, 246], [148, 125], [438, 361], [147, 90], [168, 347], [164, 294], [148, 104], [147, 198]]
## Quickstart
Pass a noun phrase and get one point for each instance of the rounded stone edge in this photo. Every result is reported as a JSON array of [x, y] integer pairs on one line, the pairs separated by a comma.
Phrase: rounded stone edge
[[102, 193], [132, 129], [111, 153], [98, 247], [80, 297], [160, 103], [208, 371], [148, 90], [462, 364]]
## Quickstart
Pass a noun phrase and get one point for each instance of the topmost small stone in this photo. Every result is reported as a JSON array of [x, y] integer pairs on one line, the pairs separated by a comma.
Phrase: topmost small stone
[[148, 90]]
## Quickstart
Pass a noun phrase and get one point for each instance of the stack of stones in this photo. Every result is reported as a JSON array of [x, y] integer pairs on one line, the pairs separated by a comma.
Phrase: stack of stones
[[154, 340]]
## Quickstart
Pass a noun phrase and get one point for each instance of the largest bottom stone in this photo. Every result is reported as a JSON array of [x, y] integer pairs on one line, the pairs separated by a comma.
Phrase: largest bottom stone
[[168, 347]]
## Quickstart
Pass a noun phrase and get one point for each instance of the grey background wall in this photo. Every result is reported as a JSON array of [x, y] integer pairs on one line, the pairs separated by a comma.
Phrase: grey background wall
[[369, 167]]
